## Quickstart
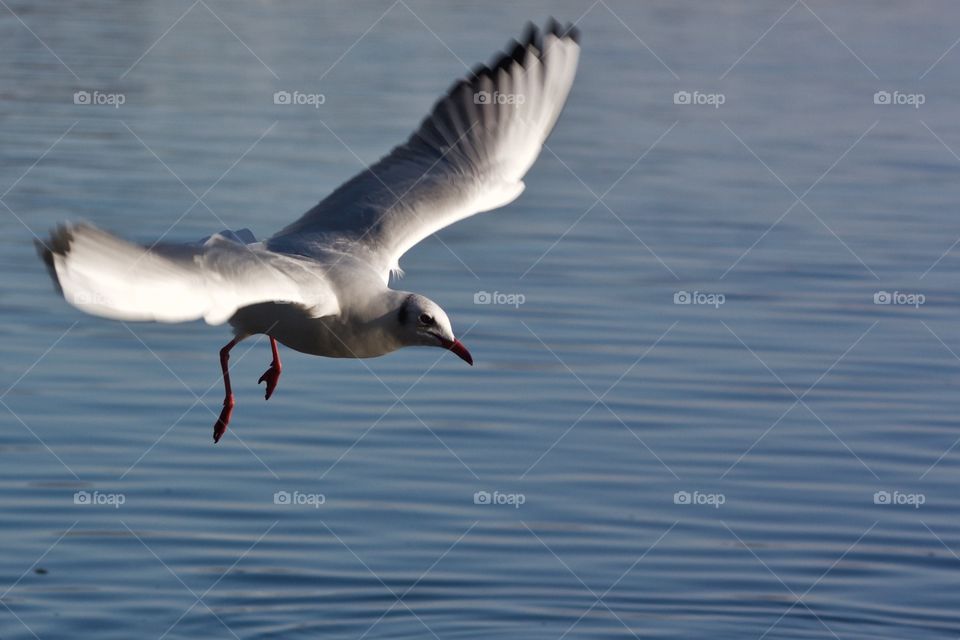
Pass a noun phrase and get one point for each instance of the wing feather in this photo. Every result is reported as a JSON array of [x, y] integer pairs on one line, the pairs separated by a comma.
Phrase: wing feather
[[102, 274], [468, 155]]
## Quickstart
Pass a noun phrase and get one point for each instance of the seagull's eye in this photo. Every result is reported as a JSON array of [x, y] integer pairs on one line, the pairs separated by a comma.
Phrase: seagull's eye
[[426, 318]]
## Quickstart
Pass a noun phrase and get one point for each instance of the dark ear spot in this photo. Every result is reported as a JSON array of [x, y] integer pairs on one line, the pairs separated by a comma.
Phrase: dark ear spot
[[404, 314]]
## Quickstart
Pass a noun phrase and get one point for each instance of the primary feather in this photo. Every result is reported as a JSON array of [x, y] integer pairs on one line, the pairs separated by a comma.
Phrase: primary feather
[[468, 156]]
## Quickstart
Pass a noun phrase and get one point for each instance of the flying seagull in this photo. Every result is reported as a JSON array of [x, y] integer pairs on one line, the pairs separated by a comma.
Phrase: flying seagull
[[320, 285]]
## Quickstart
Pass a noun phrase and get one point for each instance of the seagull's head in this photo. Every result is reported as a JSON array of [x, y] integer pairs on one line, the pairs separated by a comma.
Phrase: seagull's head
[[424, 323]]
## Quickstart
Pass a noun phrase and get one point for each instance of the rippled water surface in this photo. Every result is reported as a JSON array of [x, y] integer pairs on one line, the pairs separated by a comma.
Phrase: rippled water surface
[[781, 465]]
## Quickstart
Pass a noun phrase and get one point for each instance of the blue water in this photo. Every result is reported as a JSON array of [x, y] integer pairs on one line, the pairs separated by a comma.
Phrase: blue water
[[593, 406]]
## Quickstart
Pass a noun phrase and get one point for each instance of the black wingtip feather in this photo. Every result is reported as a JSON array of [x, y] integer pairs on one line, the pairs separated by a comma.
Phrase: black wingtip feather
[[515, 52], [530, 35], [518, 53], [505, 59], [553, 27], [58, 243], [568, 30]]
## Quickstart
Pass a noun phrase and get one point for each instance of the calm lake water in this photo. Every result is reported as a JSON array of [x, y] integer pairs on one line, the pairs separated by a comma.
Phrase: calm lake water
[[776, 459]]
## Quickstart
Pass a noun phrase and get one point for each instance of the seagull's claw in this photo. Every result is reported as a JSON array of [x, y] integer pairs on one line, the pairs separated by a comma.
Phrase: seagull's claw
[[271, 376], [221, 427]]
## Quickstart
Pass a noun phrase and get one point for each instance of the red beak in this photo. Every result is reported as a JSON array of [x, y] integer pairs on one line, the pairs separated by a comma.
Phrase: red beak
[[457, 347]]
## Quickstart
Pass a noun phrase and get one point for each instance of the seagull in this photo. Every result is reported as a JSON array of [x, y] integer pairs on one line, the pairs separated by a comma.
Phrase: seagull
[[320, 286]]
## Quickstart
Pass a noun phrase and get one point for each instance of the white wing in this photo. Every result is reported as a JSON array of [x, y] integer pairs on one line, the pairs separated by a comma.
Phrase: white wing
[[469, 155], [101, 274]]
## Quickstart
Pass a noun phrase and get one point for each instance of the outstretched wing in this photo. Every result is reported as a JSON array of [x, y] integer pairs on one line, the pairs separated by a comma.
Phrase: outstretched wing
[[102, 274], [469, 155]]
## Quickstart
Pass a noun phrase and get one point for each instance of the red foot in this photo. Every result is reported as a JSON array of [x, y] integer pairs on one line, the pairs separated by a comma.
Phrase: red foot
[[271, 376], [221, 427]]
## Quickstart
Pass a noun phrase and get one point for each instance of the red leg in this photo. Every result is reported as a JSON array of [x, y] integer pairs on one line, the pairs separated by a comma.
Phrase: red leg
[[221, 427], [272, 375]]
